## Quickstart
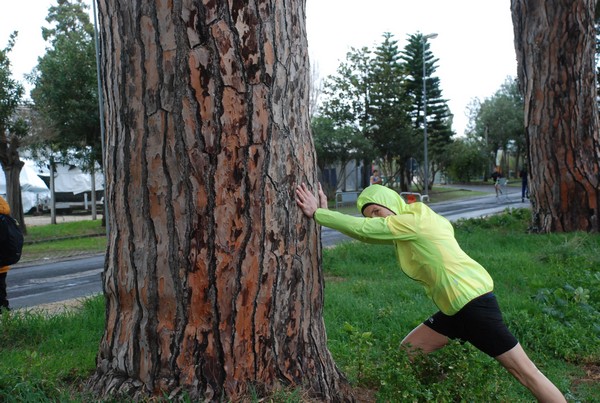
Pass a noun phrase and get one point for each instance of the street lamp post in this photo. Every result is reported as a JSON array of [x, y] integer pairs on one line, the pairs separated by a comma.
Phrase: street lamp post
[[425, 160]]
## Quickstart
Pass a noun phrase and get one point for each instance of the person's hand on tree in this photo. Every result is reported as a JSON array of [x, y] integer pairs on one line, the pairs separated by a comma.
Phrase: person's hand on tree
[[307, 201]]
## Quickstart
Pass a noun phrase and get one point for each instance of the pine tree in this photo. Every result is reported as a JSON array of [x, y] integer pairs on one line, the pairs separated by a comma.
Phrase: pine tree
[[391, 129], [439, 117], [555, 46]]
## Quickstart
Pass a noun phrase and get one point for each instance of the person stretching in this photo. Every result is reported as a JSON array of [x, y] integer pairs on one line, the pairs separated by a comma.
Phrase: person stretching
[[429, 253]]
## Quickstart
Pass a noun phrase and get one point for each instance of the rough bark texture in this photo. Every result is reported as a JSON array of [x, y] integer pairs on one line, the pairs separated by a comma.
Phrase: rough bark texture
[[555, 42], [12, 165], [212, 277]]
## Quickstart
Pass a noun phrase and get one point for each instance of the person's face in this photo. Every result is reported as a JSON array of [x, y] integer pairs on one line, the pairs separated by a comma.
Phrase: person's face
[[375, 210]]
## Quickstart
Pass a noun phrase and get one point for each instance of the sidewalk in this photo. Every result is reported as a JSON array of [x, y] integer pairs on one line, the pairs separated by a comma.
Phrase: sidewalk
[[485, 188]]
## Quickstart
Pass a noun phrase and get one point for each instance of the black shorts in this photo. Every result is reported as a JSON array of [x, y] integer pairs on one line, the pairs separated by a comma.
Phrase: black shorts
[[480, 323]]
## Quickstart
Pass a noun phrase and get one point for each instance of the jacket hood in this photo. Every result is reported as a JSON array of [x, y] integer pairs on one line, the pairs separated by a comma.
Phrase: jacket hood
[[383, 196], [4, 207]]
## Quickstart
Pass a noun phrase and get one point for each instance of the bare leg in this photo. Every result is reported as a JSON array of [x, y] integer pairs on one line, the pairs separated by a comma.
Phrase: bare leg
[[521, 367], [423, 339]]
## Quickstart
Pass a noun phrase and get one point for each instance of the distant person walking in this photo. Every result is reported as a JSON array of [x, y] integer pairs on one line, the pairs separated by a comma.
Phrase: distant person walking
[[524, 188], [375, 178], [496, 175]]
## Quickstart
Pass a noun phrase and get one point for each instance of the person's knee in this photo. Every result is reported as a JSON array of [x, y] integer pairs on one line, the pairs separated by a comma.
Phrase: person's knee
[[423, 340], [407, 346], [526, 374], [520, 366], [412, 352]]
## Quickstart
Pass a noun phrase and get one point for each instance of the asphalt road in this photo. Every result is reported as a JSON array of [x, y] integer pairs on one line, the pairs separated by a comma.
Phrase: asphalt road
[[54, 282], [46, 283]]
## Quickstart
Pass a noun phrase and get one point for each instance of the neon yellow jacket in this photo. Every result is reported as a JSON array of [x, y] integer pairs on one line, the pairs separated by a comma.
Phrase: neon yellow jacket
[[425, 246]]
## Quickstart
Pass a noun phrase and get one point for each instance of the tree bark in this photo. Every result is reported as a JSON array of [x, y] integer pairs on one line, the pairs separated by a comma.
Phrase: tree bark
[[12, 165], [212, 281], [555, 45]]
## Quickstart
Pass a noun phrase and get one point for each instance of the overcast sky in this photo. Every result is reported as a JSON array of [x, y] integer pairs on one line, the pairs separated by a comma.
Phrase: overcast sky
[[474, 44]]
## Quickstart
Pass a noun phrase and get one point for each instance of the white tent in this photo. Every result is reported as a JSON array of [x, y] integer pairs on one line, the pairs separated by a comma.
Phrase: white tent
[[70, 179], [72, 187], [33, 189]]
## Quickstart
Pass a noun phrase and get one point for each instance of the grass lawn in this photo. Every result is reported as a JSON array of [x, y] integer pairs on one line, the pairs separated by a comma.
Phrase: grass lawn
[[547, 285], [49, 242]]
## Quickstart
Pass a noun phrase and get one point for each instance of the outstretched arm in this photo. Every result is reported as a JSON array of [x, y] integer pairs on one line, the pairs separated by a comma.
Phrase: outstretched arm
[[364, 229], [307, 202]]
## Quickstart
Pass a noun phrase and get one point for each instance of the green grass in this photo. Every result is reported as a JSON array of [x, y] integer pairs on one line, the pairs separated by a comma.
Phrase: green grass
[[75, 229], [50, 242], [547, 285], [46, 358]]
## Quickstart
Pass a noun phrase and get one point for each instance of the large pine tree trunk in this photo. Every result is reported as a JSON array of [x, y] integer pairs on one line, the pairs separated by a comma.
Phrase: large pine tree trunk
[[555, 42], [212, 277]]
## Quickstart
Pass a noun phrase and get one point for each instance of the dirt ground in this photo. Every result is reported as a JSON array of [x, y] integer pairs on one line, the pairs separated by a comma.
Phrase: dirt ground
[[56, 308]]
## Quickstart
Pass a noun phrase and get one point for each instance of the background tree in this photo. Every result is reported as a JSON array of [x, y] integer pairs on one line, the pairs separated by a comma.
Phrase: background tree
[[12, 130], [44, 151], [65, 89], [466, 160], [327, 145], [346, 96], [555, 42], [337, 145], [347, 92], [380, 92], [439, 118], [390, 127], [212, 278], [499, 123]]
